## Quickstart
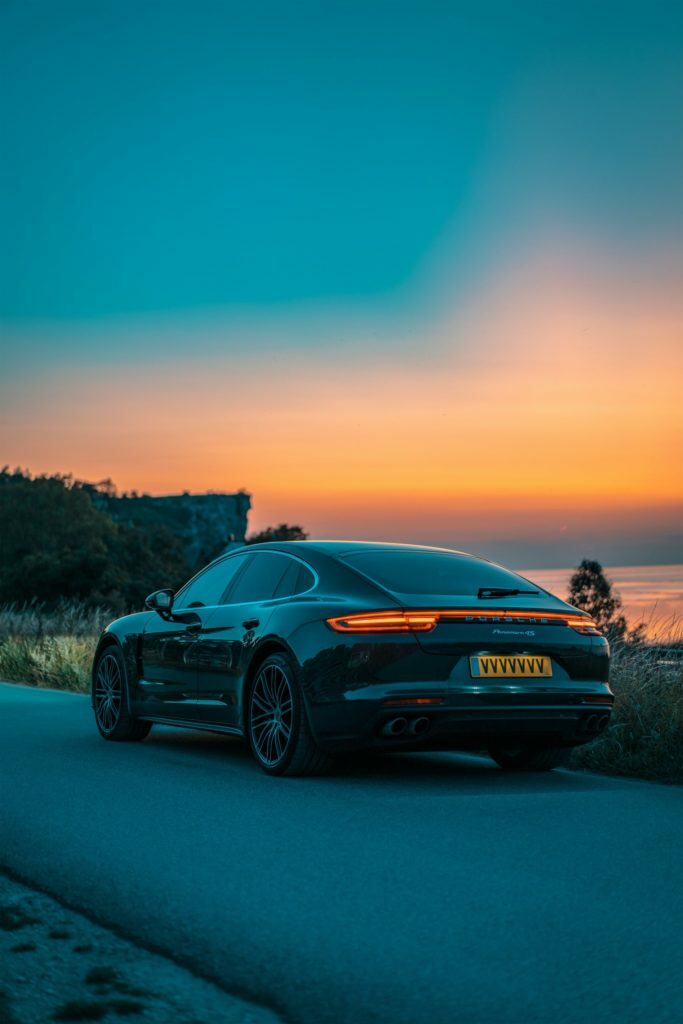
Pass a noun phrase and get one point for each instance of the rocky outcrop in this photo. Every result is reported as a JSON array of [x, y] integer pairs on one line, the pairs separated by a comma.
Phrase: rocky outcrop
[[205, 523]]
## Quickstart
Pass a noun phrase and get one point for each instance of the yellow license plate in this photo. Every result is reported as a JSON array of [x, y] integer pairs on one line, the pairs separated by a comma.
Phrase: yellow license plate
[[512, 666]]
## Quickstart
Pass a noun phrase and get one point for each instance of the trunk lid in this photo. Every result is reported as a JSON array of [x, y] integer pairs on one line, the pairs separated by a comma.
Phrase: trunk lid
[[513, 625]]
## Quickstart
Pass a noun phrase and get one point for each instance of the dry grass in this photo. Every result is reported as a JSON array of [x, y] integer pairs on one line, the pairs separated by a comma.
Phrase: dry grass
[[69, 618], [50, 648], [57, 662], [645, 737]]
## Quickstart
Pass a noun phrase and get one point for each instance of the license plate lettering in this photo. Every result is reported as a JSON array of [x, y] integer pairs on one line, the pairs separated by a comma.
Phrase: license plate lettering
[[510, 666]]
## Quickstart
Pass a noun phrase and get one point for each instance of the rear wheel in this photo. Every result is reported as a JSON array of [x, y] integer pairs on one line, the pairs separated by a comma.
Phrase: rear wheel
[[528, 759], [279, 734], [110, 699]]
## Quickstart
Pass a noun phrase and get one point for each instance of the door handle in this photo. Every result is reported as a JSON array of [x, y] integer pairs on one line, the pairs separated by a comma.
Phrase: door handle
[[250, 623]]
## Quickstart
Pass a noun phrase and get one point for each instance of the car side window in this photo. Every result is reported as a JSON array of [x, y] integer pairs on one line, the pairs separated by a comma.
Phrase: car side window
[[261, 578], [210, 586]]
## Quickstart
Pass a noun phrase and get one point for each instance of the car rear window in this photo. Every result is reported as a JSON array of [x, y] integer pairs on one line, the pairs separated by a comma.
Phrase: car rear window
[[431, 572]]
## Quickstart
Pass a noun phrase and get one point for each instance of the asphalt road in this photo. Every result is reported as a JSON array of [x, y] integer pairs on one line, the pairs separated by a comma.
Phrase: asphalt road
[[420, 888]]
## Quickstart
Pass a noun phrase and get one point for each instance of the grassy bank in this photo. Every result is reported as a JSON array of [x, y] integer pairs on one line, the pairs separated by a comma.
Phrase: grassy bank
[[52, 649], [645, 737], [57, 662]]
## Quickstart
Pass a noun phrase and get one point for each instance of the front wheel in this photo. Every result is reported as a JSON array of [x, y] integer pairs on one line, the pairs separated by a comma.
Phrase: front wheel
[[110, 699], [528, 759], [277, 724]]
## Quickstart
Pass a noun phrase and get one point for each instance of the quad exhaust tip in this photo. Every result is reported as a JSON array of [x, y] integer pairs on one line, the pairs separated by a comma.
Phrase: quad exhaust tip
[[399, 726], [595, 724], [395, 727]]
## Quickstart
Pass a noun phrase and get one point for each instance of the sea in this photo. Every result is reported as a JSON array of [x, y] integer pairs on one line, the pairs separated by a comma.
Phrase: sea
[[651, 594]]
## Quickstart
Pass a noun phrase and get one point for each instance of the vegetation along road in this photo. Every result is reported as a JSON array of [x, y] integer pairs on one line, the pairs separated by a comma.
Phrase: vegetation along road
[[414, 888]]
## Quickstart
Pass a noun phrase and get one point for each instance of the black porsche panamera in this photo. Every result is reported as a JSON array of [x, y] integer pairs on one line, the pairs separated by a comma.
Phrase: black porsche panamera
[[310, 648]]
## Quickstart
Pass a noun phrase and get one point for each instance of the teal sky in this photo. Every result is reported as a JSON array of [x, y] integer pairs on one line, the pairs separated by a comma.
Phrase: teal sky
[[403, 270], [183, 156]]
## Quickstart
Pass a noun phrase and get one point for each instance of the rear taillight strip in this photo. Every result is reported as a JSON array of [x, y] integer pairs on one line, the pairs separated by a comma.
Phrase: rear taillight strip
[[423, 621]]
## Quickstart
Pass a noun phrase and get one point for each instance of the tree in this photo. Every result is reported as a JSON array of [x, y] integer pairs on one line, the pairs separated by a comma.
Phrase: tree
[[56, 543], [591, 591], [281, 532]]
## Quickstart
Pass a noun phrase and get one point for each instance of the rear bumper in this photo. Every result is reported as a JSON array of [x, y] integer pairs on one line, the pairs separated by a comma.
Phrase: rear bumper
[[348, 683], [465, 721]]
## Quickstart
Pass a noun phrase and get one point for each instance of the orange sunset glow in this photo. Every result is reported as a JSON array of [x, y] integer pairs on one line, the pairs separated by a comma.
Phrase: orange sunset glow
[[551, 398]]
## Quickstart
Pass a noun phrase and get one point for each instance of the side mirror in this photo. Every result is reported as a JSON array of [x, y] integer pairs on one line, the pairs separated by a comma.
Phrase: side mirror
[[160, 601]]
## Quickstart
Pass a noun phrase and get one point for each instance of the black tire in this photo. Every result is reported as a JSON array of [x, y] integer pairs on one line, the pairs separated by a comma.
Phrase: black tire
[[110, 699], [277, 724], [529, 759]]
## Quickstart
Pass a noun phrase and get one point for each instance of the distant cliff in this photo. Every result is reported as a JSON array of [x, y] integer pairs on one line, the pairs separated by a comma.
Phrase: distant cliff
[[205, 523]]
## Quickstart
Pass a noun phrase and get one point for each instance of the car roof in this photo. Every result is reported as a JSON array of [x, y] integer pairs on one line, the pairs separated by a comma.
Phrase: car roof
[[341, 547]]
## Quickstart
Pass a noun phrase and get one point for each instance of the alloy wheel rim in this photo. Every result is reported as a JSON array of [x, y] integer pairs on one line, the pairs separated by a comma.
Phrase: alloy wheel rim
[[271, 716], [108, 693]]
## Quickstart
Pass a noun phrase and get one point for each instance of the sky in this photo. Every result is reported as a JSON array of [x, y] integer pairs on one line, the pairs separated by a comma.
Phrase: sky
[[403, 271]]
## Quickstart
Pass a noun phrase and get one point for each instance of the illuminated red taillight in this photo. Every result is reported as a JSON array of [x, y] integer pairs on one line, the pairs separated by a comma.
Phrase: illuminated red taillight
[[422, 621], [583, 624], [385, 622]]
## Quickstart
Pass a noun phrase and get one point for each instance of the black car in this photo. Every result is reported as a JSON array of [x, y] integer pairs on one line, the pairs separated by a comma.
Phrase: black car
[[313, 648]]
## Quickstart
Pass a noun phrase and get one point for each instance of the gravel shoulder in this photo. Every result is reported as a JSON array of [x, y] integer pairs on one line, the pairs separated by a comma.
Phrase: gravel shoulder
[[57, 965]]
